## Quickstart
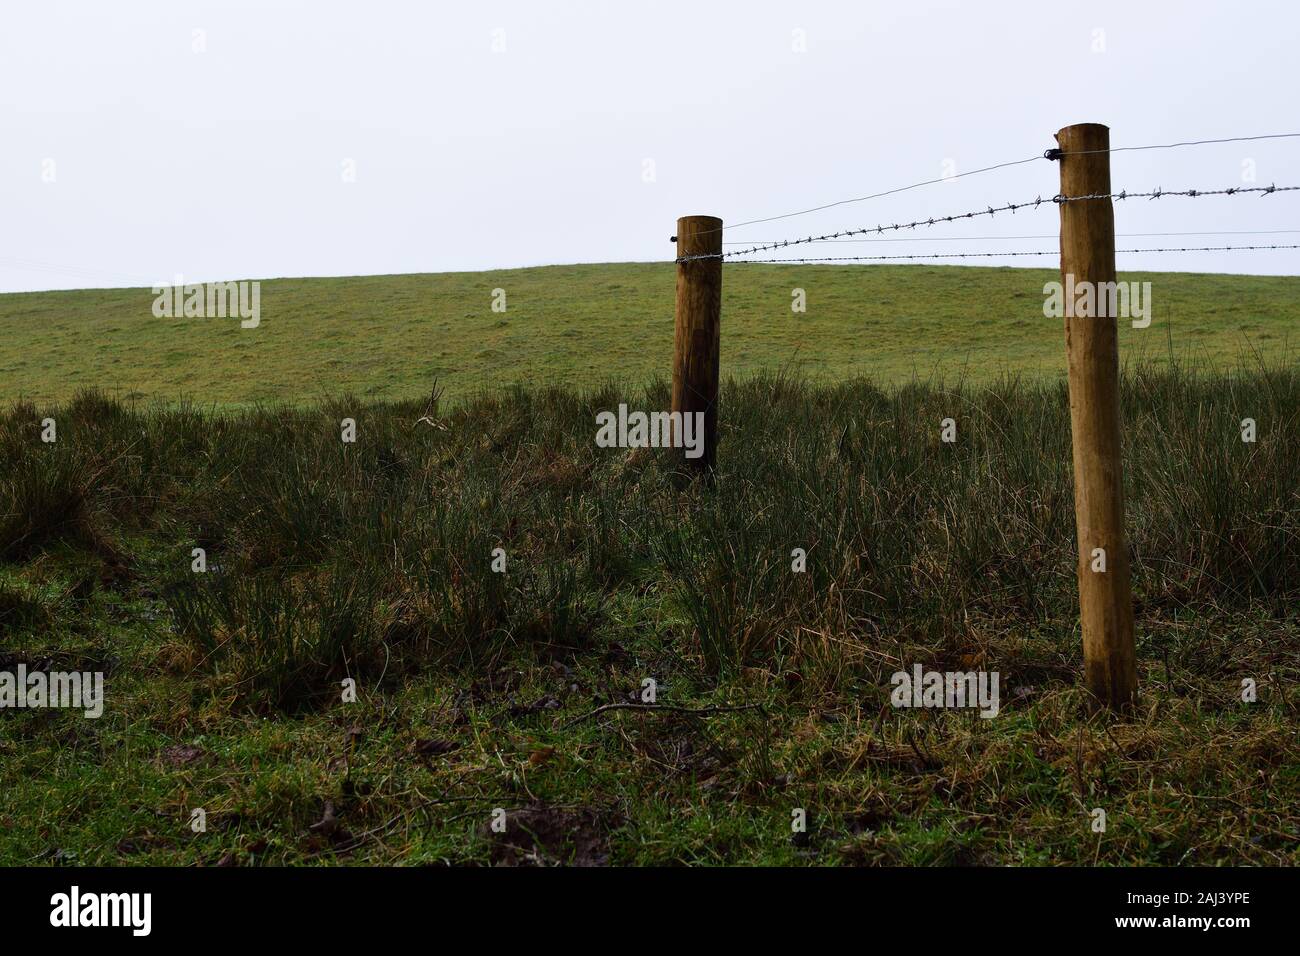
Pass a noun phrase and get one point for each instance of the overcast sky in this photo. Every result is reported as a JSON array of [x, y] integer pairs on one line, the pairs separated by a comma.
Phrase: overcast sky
[[223, 140]]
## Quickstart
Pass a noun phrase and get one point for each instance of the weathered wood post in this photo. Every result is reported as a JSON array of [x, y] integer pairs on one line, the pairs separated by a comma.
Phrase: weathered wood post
[[697, 330], [1092, 350]]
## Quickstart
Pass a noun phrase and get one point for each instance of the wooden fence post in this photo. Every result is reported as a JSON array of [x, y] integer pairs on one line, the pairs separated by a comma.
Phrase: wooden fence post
[[1092, 350], [697, 330]]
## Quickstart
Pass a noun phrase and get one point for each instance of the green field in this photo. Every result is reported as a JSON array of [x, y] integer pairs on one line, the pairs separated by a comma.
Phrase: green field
[[390, 337], [521, 688]]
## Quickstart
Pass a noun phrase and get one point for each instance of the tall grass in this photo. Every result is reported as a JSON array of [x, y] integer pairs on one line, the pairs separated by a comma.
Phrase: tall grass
[[329, 560]]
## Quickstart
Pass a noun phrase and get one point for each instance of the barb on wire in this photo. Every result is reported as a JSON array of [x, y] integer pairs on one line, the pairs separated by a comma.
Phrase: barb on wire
[[894, 227], [1159, 193], [984, 255]]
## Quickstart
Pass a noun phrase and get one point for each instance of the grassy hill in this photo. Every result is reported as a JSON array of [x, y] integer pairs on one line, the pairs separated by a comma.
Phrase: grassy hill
[[519, 687], [389, 337]]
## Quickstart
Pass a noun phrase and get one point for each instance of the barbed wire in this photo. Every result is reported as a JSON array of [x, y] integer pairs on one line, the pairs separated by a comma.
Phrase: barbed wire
[[984, 255], [1159, 193], [1050, 154], [1118, 235], [1058, 199], [894, 227], [948, 255], [1208, 248]]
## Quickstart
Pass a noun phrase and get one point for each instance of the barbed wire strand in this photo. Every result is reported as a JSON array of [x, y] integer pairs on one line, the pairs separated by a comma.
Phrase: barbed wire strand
[[984, 255], [1047, 154], [894, 227], [1118, 235], [1157, 193]]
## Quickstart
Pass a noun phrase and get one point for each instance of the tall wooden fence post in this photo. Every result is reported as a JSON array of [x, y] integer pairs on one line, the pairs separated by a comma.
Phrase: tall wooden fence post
[[1092, 350], [697, 330]]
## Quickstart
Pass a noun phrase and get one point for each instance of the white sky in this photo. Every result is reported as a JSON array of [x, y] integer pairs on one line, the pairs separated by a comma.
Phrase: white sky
[[229, 163]]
